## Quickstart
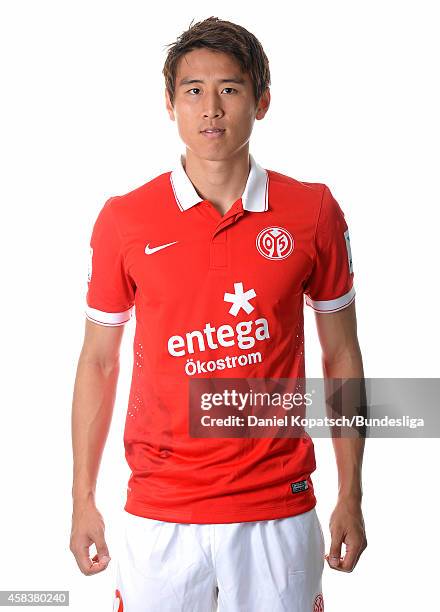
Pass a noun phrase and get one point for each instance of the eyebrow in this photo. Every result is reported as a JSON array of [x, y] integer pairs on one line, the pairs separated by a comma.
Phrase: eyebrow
[[237, 80]]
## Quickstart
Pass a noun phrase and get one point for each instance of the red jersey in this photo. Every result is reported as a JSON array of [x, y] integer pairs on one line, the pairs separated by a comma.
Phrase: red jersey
[[200, 284]]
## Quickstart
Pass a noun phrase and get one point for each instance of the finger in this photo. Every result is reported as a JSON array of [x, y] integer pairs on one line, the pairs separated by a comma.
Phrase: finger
[[102, 550], [85, 563], [352, 553], [103, 561], [333, 561], [334, 556]]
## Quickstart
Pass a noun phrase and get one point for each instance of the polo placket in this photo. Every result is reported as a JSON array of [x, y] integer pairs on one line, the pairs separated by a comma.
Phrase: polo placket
[[219, 255]]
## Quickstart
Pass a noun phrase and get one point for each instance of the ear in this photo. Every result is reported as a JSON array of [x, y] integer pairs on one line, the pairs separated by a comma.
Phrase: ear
[[263, 104], [169, 106]]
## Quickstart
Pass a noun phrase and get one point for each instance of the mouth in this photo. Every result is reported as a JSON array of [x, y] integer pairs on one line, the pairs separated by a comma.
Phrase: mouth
[[213, 132]]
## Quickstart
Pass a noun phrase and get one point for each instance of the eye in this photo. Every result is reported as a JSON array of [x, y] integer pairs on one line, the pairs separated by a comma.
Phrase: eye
[[193, 89], [231, 88]]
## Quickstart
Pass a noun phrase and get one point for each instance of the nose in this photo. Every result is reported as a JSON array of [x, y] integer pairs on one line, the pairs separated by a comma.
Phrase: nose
[[213, 109]]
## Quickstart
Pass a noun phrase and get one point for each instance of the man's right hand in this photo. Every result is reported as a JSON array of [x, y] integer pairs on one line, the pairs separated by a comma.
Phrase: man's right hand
[[87, 529]]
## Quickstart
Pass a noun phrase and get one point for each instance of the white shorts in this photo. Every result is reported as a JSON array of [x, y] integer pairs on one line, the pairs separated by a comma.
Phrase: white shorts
[[262, 566]]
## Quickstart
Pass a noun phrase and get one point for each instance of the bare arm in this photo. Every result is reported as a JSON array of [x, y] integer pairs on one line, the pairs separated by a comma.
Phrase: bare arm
[[92, 410], [341, 358]]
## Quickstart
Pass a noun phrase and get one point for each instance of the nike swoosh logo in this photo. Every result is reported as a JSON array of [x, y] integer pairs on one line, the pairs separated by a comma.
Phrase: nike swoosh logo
[[149, 251]]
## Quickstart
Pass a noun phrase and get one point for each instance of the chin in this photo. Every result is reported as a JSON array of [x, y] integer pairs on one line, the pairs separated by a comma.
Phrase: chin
[[208, 155]]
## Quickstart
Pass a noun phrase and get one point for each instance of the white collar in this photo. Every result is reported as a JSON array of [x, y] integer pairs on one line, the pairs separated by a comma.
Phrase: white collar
[[254, 197]]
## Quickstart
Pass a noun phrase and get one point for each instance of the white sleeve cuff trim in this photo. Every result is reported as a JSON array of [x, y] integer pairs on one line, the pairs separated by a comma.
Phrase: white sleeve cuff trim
[[108, 318], [332, 305]]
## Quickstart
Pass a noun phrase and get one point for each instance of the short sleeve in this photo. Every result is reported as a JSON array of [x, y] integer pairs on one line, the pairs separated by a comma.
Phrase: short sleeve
[[330, 286], [110, 290]]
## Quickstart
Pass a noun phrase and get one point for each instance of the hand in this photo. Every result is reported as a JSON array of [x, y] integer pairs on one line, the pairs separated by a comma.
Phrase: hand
[[346, 525], [87, 529]]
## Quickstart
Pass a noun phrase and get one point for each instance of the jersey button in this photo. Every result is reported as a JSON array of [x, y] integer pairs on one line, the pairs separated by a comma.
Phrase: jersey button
[[164, 453]]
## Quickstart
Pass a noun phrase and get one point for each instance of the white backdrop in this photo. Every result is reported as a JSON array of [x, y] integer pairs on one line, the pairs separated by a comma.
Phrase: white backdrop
[[354, 105]]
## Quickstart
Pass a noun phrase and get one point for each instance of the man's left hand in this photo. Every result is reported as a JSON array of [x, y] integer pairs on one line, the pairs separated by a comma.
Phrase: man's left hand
[[346, 525]]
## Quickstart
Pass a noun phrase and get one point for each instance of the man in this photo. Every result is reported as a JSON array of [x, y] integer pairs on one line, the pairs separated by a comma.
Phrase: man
[[216, 257]]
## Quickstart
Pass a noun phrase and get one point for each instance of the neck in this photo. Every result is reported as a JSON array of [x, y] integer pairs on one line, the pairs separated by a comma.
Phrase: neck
[[221, 182]]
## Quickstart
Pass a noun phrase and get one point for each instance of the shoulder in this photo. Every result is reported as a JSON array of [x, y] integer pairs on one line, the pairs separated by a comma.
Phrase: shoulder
[[143, 193], [289, 184], [304, 197], [129, 208]]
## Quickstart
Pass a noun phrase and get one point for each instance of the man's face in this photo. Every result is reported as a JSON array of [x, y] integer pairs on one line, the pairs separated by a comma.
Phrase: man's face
[[212, 92]]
